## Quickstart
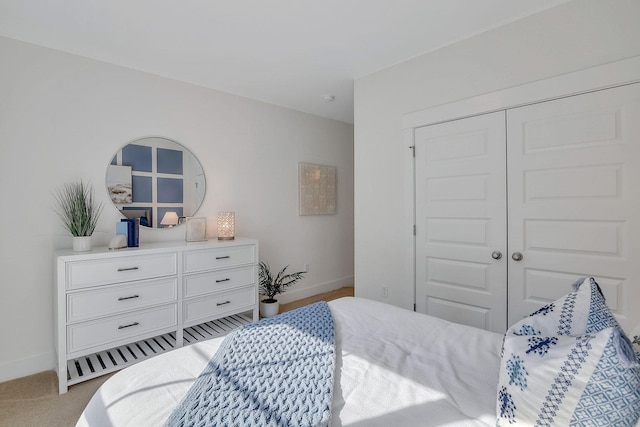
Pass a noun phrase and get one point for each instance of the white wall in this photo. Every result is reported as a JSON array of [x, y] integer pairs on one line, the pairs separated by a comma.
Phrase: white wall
[[576, 35], [62, 118]]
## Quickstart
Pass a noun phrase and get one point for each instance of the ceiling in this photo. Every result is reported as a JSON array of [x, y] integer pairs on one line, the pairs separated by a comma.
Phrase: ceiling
[[291, 53]]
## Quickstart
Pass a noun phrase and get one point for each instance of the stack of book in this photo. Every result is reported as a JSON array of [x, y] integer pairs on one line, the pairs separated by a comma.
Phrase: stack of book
[[130, 227]]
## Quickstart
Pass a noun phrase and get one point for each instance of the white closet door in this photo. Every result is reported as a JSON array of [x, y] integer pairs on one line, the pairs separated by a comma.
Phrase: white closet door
[[574, 192], [460, 221]]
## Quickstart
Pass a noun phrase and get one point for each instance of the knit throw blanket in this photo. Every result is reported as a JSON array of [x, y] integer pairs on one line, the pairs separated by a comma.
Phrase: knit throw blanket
[[276, 372]]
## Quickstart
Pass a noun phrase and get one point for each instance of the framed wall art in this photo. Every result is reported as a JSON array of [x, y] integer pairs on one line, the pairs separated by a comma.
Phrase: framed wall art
[[317, 189], [196, 229]]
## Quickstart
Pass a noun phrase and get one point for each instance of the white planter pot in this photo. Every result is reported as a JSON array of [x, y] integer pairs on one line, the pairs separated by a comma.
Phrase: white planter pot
[[81, 243], [269, 309]]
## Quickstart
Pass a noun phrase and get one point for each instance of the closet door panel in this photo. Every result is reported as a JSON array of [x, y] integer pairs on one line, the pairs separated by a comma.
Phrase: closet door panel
[[460, 221], [573, 177]]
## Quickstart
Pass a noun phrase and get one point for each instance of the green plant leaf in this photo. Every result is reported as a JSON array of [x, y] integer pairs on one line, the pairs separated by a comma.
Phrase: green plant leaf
[[77, 208], [270, 286]]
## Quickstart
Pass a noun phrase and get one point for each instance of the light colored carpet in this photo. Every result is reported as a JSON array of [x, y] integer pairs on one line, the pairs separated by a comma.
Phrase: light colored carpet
[[34, 401]]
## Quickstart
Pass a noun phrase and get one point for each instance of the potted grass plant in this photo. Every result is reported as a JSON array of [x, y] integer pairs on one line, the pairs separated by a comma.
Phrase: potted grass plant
[[271, 286], [79, 211]]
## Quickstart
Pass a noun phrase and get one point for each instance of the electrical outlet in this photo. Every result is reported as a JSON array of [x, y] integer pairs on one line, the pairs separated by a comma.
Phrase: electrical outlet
[[306, 267], [385, 292]]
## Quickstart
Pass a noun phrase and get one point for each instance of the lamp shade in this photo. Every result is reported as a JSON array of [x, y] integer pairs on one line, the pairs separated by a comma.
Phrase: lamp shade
[[226, 225], [170, 219]]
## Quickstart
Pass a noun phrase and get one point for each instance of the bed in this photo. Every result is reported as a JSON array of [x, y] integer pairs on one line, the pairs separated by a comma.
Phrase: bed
[[392, 367]]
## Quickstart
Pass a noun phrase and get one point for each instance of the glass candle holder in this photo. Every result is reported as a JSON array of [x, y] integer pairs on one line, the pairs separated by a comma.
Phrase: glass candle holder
[[226, 225]]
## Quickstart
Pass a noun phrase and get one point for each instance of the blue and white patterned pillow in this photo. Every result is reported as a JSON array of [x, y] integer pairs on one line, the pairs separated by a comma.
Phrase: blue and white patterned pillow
[[583, 310], [635, 340], [569, 363]]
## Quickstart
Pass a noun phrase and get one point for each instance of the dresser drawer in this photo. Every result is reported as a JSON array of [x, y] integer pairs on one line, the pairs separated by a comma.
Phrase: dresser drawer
[[219, 280], [217, 305], [208, 259], [112, 330], [84, 274], [108, 300]]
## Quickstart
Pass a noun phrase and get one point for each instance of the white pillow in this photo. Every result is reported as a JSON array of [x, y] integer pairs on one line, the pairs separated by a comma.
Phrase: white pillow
[[569, 363], [583, 310], [635, 336]]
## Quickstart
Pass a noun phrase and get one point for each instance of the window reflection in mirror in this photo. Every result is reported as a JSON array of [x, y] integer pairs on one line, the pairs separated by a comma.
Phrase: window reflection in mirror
[[156, 180]]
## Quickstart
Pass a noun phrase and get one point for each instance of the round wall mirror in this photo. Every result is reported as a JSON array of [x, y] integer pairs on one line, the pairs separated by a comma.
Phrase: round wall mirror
[[156, 180]]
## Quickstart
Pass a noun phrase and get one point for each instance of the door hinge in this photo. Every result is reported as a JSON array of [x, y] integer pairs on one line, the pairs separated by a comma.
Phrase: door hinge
[[413, 150], [414, 229], [414, 307]]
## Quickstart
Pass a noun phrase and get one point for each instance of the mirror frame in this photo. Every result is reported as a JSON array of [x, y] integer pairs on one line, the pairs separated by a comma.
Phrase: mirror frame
[[169, 177]]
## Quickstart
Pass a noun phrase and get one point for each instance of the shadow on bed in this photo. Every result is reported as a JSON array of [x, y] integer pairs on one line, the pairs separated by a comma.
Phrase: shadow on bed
[[394, 367]]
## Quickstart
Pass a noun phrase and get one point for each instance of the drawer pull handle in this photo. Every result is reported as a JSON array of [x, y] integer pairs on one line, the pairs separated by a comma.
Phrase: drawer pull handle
[[129, 325], [131, 297], [223, 257], [223, 303], [223, 280], [128, 269]]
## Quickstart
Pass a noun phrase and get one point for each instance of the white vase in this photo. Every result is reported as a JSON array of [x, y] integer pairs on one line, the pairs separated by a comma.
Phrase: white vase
[[269, 309], [81, 243]]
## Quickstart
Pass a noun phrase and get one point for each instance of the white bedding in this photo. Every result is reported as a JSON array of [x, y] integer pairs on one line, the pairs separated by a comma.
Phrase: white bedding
[[393, 367]]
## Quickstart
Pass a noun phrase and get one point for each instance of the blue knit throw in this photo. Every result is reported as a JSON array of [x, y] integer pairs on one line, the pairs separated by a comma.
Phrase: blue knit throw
[[276, 372]]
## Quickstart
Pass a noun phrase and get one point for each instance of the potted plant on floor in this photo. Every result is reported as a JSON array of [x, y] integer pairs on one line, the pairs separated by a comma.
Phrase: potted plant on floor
[[271, 286], [79, 212]]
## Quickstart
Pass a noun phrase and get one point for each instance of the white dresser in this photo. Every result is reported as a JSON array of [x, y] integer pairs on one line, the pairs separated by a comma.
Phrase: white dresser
[[116, 308]]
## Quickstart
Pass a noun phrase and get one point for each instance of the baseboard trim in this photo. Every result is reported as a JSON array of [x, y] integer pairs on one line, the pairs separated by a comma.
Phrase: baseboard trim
[[298, 294], [27, 366]]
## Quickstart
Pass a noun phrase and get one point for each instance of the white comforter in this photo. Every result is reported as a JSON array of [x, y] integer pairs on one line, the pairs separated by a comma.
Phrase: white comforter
[[394, 367]]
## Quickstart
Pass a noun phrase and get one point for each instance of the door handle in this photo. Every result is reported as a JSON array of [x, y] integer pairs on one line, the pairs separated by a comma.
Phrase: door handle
[[516, 256], [496, 254]]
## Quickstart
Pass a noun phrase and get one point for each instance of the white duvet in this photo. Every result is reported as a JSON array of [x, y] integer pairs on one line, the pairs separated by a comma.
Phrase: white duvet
[[394, 367]]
